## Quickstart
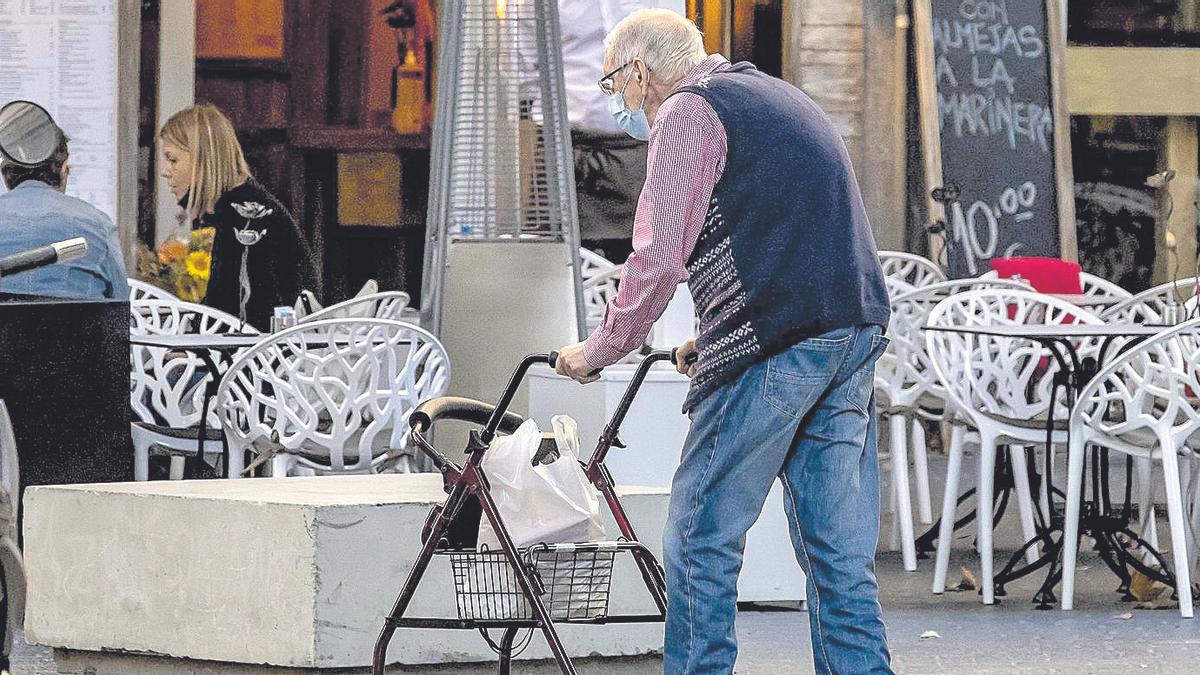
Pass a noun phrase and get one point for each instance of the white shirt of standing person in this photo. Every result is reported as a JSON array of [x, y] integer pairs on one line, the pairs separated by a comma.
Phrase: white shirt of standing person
[[583, 25]]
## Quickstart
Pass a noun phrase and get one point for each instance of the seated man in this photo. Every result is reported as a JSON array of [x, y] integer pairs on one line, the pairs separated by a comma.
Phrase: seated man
[[36, 213]]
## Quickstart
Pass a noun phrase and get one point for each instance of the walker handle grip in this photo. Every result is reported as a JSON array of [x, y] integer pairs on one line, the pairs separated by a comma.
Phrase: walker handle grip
[[458, 408], [691, 359], [552, 359]]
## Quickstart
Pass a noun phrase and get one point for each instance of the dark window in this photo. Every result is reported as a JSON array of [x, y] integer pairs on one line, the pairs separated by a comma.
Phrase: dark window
[[1134, 23]]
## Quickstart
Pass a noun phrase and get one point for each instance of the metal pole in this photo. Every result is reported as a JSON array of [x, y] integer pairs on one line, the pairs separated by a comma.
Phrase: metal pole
[[559, 162], [437, 219]]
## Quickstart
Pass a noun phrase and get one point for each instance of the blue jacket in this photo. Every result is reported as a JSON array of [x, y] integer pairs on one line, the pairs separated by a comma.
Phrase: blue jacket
[[34, 214], [786, 251]]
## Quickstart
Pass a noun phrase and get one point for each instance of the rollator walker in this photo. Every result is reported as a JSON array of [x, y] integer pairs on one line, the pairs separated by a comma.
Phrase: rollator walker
[[510, 588]]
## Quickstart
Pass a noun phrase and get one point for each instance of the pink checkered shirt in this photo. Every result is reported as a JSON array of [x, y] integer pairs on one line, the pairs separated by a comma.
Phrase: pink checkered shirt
[[686, 158]]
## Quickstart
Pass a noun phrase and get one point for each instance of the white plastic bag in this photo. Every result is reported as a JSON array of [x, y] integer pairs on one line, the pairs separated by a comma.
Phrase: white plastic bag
[[306, 302], [548, 503]]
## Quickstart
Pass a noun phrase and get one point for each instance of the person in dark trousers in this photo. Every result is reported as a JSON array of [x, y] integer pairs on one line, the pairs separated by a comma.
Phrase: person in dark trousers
[[609, 165], [260, 258], [750, 198]]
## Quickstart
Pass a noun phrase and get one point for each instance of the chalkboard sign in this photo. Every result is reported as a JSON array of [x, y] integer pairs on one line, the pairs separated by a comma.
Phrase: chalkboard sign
[[996, 130]]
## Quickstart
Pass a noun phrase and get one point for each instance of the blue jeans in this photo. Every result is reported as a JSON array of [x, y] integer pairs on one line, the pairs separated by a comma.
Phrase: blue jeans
[[805, 416]]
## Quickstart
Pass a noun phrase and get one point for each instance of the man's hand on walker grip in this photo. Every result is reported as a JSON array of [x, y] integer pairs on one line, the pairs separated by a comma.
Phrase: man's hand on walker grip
[[571, 363]]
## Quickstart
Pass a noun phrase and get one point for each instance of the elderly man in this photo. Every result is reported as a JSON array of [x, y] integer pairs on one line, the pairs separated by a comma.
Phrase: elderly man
[[750, 197], [36, 212]]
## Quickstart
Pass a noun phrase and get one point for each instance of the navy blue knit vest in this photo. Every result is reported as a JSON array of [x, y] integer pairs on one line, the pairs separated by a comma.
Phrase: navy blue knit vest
[[786, 252]]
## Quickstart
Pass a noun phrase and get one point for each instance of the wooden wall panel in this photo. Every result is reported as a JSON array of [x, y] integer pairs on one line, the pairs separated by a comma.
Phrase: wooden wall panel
[[885, 32], [239, 29], [347, 57], [295, 116], [368, 186], [309, 62], [825, 58]]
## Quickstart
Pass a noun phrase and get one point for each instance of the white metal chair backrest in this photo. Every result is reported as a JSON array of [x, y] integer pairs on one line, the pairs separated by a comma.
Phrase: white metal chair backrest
[[162, 383], [1152, 386], [1006, 379], [1150, 305], [1094, 286], [896, 287], [382, 305], [597, 292], [909, 269], [337, 393], [904, 375], [172, 316], [140, 290], [592, 264]]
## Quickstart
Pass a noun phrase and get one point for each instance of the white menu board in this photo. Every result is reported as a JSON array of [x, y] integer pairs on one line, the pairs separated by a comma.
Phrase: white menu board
[[62, 54]]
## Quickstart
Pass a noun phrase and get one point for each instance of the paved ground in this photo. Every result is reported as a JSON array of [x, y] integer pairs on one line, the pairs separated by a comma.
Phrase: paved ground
[[1103, 635]]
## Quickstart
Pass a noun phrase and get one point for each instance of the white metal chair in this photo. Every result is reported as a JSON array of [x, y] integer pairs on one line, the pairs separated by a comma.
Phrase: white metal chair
[[1143, 404], [909, 270], [1151, 306], [332, 396], [140, 290], [600, 278], [382, 305], [1004, 389], [1094, 286], [597, 292], [592, 263], [167, 388], [907, 390]]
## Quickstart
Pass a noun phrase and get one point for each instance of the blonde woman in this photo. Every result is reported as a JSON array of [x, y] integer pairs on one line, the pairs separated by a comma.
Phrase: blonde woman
[[260, 259]]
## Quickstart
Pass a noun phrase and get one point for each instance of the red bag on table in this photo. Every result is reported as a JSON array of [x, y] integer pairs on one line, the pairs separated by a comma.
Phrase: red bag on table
[[1046, 275]]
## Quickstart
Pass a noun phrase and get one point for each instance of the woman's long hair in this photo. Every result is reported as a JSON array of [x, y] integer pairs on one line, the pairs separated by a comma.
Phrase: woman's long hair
[[217, 160]]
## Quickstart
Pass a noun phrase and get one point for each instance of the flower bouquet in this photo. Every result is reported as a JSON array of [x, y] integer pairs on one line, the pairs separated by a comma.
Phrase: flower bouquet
[[181, 267]]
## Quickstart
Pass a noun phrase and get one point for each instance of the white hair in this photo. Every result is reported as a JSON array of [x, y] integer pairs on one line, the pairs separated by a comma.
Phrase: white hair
[[668, 43]]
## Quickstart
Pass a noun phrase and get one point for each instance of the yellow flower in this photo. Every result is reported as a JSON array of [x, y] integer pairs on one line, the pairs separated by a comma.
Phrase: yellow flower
[[202, 239], [199, 264]]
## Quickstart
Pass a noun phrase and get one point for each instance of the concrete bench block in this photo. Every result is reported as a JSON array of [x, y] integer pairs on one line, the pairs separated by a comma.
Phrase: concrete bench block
[[292, 572]]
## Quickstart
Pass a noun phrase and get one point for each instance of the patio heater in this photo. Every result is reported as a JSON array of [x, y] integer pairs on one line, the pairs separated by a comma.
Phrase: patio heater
[[501, 274]]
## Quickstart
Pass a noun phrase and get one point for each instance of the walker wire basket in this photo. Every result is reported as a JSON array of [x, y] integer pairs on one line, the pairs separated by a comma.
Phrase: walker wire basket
[[513, 588], [574, 580]]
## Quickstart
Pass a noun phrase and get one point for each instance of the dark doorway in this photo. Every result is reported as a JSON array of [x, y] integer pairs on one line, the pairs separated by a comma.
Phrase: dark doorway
[[757, 34]]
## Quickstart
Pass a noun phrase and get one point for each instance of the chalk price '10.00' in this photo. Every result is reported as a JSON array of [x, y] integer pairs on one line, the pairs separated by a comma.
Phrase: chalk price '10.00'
[[977, 229]]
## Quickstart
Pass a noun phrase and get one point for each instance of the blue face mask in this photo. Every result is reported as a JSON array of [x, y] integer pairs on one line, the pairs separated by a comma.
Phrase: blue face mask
[[632, 122]]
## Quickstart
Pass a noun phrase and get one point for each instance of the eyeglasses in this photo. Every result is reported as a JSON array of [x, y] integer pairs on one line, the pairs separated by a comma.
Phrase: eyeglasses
[[606, 83]]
